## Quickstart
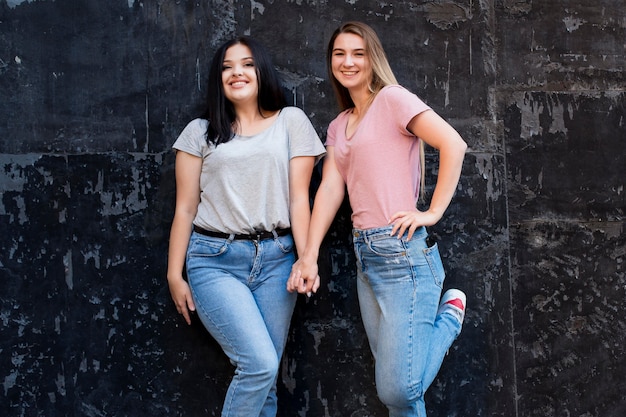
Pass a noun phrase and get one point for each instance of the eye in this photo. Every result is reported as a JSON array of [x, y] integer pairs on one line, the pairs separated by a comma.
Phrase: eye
[[226, 67]]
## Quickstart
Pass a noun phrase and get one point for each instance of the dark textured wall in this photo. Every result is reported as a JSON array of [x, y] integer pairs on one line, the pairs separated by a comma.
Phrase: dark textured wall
[[92, 95]]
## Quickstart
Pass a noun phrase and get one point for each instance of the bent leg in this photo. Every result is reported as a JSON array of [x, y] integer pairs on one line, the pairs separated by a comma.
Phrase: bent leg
[[228, 310]]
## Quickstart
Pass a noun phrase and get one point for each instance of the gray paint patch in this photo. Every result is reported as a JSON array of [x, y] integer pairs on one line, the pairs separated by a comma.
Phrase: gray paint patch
[[13, 3]]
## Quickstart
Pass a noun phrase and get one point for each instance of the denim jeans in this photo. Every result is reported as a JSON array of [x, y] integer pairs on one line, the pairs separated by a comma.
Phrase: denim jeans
[[239, 288], [399, 286]]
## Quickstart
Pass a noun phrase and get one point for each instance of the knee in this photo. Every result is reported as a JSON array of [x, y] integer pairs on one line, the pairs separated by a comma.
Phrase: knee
[[263, 368], [398, 395]]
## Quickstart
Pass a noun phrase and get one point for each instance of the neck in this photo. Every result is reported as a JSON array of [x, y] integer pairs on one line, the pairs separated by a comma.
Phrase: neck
[[249, 120], [362, 100]]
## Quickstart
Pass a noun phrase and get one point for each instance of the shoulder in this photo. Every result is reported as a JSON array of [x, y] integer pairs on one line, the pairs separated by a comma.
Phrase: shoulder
[[337, 124], [395, 96], [341, 117], [193, 137], [195, 128], [197, 125], [293, 113], [396, 92], [294, 119]]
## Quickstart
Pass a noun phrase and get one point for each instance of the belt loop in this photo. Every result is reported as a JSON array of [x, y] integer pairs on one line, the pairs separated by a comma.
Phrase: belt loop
[[275, 234], [231, 237]]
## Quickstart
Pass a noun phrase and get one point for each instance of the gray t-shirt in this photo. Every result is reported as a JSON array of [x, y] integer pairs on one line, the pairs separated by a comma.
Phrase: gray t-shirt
[[244, 184]]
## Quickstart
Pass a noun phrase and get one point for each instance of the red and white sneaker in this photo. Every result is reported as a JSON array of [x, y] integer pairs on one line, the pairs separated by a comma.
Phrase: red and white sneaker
[[453, 302]]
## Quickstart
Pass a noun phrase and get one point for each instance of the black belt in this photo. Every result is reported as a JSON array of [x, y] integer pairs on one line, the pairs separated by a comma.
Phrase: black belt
[[254, 236]]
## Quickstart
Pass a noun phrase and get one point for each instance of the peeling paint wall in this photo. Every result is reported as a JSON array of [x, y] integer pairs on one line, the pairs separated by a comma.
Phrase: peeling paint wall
[[93, 94]]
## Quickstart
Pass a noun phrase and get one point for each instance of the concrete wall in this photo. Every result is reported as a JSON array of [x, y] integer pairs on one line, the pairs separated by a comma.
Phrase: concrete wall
[[92, 95]]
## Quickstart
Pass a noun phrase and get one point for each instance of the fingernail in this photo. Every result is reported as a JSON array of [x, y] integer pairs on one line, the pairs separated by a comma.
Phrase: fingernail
[[308, 294]]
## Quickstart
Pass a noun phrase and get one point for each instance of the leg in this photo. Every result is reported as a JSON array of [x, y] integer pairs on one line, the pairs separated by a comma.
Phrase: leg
[[405, 279], [275, 303], [218, 272], [368, 305]]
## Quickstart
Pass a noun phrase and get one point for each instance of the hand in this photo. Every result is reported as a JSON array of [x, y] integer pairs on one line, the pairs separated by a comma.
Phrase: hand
[[181, 294], [404, 221], [304, 278]]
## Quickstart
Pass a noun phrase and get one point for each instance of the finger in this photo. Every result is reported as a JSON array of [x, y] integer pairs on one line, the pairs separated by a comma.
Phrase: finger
[[401, 230], [191, 306], [294, 280], [187, 317], [308, 286], [299, 282], [411, 231], [316, 284], [303, 285], [185, 313]]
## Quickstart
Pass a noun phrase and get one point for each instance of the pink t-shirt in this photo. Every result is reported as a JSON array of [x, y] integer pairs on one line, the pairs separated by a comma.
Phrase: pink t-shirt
[[380, 163]]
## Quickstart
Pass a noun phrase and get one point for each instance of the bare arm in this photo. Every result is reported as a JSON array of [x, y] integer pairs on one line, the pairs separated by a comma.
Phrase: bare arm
[[436, 132], [300, 170], [188, 168], [304, 276]]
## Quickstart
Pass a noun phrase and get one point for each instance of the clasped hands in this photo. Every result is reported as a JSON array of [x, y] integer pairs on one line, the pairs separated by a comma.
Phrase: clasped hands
[[304, 277]]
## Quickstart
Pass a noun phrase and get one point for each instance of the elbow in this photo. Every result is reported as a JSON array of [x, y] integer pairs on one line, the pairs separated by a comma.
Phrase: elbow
[[461, 146]]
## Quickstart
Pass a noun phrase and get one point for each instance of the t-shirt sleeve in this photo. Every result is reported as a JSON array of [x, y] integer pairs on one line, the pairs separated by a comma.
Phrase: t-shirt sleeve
[[303, 139], [403, 105], [192, 139], [331, 133]]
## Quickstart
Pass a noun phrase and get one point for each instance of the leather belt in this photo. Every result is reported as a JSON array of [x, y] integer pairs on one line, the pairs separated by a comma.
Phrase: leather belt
[[255, 236]]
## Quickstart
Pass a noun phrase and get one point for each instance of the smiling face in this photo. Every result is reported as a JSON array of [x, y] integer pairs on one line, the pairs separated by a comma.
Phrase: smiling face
[[350, 63], [239, 76]]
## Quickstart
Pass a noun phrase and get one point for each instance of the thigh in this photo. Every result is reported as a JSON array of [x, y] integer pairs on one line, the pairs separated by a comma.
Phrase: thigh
[[406, 279], [370, 311], [269, 288], [224, 302]]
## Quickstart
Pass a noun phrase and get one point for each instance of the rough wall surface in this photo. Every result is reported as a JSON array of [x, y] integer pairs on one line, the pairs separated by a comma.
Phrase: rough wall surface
[[92, 95]]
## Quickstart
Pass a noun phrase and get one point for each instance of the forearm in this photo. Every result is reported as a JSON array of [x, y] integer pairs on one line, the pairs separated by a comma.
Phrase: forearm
[[179, 241], [327, 202], [300, 220]]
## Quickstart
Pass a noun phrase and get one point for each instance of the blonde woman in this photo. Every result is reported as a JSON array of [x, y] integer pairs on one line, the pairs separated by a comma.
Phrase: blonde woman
[[375, 149]]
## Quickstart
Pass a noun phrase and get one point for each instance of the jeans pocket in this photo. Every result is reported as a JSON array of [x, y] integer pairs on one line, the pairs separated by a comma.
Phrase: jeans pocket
[[207, 247], [436, 265], [285, 243], [387, 246]]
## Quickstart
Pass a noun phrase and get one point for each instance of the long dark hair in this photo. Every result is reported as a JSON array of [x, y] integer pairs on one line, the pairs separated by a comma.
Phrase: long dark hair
[[220, 112]]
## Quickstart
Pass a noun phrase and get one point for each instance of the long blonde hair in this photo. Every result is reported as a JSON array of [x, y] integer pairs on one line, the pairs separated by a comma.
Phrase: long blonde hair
[[382, 75]]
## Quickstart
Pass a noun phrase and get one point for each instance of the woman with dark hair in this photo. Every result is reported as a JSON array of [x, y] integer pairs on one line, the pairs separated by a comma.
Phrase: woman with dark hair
[[375, 149], [242, 212]]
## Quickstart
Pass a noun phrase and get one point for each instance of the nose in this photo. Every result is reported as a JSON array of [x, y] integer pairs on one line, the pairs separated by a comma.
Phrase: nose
[[348, 62], [237, 70]]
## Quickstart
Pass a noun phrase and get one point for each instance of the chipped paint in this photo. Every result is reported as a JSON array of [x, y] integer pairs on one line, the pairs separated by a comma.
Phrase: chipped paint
[[13, 3], [573, 23]]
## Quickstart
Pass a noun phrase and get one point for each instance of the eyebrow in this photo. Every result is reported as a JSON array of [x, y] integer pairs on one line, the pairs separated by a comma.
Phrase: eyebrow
[[242, 59], [354, 50]]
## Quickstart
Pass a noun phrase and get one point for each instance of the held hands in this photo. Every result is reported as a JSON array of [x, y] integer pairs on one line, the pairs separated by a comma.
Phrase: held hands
[[404, 221], [304, 277], [181, 294]]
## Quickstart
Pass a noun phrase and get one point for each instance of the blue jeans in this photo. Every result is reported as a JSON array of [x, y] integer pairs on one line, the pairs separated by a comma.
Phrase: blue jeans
[[239, 288], [399, 286]]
